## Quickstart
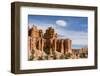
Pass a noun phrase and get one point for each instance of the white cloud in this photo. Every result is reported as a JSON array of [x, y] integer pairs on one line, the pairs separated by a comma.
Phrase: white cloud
[[61, 23]]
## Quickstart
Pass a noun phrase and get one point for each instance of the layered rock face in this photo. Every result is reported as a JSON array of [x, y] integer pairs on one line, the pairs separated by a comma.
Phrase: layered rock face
[[47, 46]]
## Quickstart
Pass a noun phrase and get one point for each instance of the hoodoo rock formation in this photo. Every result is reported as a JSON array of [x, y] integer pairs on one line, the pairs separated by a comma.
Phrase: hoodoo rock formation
[[46, 46]]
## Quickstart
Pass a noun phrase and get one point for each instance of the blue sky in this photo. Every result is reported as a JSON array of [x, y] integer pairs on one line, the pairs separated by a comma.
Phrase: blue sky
[[74, 28]]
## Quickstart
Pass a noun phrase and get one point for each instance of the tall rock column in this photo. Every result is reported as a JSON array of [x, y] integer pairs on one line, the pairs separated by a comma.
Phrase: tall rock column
[[39, 42], [29, 43], [51, 48], [67, 45], [42, 44], [55, 44], [62, 46], [33, 43]]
